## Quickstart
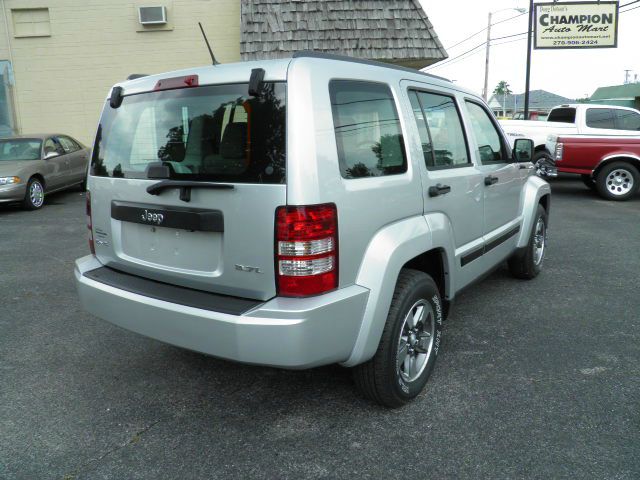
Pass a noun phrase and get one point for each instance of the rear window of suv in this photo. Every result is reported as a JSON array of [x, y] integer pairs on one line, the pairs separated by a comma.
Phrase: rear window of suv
[[208, 133], [562, 115]]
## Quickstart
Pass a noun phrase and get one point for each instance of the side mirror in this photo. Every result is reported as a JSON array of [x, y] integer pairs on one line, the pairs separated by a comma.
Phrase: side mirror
[[49, 155], [523, 150]]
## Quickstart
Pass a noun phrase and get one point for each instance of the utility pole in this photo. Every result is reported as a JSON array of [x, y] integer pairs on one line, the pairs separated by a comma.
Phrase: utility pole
[[528, 74], [486, 61]]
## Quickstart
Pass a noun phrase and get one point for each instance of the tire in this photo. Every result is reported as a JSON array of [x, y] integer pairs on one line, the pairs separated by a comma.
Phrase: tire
[[386, 379], [589, 182], [34, 196], [527, 263], [542, 161], [618, 181]]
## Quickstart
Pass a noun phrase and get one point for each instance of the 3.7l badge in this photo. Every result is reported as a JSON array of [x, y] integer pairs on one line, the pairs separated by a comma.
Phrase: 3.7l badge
[[247, 268]]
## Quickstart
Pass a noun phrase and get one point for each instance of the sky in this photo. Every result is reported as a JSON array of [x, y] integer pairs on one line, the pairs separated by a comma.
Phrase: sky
[[571, 73]]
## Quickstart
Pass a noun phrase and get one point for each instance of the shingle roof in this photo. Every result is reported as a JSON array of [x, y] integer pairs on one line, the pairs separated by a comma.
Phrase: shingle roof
[[538, 100], [630, 90], [396, 31]]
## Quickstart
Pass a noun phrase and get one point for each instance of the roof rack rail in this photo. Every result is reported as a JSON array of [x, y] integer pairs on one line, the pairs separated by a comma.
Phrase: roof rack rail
[[133, 76], [345, 58]]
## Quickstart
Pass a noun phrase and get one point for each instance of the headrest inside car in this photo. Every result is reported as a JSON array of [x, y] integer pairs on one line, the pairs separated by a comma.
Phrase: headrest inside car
[[234, 141]]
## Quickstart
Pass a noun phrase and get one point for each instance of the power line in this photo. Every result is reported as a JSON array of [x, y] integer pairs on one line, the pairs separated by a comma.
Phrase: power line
[[468, 38], [462, 57], [446, 62], [451, 60], [459, 57], [480, 31], [514, 35], [511, 18], [629, 9], [508, 41], [519, 15], [465, 58]]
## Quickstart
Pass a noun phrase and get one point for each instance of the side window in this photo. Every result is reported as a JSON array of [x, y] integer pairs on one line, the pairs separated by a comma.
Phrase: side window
[[75, 143], [600, 118], [50, 145], [440, 127], [627, 120], [488, 139], [367, 129], [425, 138], [68, 145]]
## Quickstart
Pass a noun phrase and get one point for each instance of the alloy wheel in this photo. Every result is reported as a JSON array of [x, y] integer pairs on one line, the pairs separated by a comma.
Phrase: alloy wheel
[[36, 194], [539, 241], [415, 344]]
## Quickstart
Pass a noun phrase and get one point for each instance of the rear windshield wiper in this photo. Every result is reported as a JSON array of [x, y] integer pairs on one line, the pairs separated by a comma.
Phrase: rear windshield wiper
[[185, 187]]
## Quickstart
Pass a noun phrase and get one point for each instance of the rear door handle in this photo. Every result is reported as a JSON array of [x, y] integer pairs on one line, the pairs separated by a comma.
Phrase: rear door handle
[[490, 180], [439, 189]]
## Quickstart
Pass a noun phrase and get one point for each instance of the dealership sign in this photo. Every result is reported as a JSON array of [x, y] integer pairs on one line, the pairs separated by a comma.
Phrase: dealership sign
[[576, 25]]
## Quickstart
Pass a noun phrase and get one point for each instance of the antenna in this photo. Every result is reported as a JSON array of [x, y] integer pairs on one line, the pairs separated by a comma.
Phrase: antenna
[[213, 58]]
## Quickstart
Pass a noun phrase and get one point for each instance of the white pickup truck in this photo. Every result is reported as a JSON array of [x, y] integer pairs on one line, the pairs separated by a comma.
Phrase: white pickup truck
[[574, 119]]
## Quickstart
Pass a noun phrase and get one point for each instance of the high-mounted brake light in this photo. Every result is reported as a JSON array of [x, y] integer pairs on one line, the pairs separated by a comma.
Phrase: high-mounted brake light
[[306, 250], [92, 247], [177, 82]]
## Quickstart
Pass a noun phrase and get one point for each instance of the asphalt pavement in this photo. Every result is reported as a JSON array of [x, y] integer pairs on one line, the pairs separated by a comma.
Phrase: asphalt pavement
[[536, 379]]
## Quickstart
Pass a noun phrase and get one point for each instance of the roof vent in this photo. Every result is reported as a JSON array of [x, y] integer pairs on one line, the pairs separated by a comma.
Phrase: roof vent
[[152, 15]]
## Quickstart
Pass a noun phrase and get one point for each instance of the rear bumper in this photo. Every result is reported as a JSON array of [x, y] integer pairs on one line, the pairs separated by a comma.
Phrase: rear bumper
[[282, 332], [12, 193]]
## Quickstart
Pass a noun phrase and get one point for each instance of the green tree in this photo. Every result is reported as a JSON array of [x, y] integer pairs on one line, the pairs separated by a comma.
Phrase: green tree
[[503, 89]]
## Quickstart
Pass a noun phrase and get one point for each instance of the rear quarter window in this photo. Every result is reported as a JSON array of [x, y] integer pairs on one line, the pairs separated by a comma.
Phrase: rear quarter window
[[367, 129]]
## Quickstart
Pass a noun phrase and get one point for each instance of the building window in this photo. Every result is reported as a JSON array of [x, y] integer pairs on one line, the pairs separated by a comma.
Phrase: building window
[[31, 22]]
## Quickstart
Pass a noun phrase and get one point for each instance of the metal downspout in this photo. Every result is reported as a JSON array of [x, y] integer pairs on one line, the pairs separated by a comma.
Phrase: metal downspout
[[14, 90]]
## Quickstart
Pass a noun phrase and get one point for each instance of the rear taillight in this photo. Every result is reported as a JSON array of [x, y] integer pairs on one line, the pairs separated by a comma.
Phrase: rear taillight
[[559, 150], [306, 250], [90, 224]]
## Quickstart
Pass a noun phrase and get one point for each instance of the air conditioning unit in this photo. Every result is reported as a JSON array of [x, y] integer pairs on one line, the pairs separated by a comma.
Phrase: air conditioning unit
[[152, 15]]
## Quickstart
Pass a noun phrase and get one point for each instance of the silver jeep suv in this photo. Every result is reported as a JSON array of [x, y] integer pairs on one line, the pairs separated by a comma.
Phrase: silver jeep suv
[[303, 212]]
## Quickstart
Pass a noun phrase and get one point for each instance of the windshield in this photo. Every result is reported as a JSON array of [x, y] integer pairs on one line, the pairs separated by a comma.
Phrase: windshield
[[210, 133], [20, 149]]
